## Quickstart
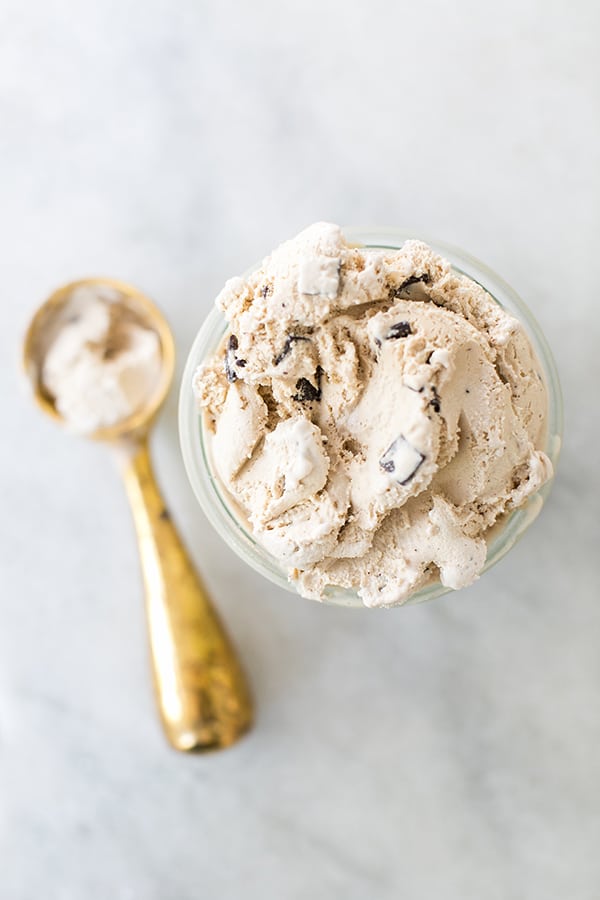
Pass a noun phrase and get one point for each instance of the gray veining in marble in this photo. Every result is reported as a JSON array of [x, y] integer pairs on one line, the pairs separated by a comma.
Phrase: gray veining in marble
[[447, 751]]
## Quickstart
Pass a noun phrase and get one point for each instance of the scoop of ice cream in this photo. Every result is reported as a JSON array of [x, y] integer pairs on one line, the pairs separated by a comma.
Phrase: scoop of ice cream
[[381, 411], [102, 363], [291, 467], [239, 428]]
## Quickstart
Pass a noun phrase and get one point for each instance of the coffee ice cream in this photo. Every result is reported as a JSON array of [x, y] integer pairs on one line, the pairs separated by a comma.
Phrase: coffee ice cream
[[372, 415]]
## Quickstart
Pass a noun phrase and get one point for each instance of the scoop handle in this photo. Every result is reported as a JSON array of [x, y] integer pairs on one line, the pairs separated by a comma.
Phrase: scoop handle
[[202, 694]]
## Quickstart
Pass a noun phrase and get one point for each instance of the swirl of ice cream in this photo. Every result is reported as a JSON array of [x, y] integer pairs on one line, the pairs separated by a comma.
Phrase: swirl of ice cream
[[374, 413]]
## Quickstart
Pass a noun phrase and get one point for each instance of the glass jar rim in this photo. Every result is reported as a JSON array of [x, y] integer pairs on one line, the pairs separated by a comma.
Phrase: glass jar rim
[[216, 503]]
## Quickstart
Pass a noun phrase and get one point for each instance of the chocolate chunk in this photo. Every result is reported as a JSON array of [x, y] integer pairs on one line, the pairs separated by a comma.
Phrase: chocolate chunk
[[265, 290], [241, 363], [402, 459], [435, 402], [399, 330], [306, 391], [414, 279], [289, 341], [229, 363]]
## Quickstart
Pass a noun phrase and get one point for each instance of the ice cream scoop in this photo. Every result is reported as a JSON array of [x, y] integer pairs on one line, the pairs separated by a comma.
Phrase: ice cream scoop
[[100, 358]]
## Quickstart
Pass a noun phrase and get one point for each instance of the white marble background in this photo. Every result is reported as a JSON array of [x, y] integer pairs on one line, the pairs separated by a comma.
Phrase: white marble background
[[448, 751]]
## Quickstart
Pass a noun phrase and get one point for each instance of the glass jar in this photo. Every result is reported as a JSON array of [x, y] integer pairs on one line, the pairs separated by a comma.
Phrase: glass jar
[[214, 499]]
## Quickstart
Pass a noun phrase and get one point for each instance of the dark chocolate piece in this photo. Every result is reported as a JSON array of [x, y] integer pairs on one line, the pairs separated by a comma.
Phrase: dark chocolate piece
[[306, 391], [265, 290], [232, 345], [414, 279], [289, 341], [241, 363], [399, 330], [411, 458], [435, 402]]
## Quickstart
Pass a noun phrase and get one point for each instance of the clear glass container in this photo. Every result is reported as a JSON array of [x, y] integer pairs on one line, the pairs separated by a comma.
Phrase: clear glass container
[[217, 504]]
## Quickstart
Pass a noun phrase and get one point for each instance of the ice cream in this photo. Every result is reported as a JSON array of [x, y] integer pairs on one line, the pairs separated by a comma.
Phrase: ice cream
[[373, 414], [101, 363]]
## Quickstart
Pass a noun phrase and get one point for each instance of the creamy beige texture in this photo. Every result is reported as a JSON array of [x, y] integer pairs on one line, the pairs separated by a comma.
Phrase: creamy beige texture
[[374, 413], [102, 363]]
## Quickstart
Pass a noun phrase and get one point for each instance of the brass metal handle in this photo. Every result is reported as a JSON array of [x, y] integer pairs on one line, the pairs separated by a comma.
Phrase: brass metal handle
[[202, 694]]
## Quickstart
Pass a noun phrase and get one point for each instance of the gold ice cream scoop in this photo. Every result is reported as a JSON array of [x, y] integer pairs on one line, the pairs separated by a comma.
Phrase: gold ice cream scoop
[[202, 694]]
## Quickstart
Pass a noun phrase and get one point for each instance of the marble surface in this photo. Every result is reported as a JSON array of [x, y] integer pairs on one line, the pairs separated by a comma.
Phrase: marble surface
[[445, 751]]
